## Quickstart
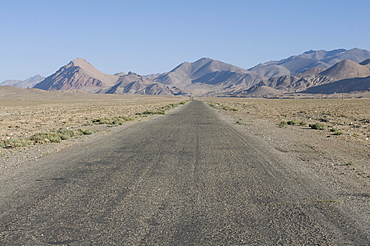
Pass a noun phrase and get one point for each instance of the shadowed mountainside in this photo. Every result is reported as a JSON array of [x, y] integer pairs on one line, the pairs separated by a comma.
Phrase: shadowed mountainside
[[78, 74], [133, 83], [342, 86]]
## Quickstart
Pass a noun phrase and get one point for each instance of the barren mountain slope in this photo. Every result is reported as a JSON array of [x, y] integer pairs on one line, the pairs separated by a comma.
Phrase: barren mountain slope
[[185, 73], [318, 80], [207, 75], [342, 86], [310, 59], [346, 69], [136, 84], [78, 74]]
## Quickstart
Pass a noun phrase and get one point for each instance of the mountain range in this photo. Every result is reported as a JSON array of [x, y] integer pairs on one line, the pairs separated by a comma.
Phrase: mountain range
[[335, 71], [26, 84]]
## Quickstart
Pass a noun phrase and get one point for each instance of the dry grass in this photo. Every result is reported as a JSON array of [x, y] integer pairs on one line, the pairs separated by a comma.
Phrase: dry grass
[[350, 117], [24, 114]]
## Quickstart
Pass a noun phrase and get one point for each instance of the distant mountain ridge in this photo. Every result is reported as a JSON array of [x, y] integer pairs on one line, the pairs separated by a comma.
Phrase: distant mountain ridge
[[208, 77], [344, 76], [310, 59], [26, 84]]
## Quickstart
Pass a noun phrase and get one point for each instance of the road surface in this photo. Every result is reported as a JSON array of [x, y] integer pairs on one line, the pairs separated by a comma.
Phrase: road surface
[[186, 178]]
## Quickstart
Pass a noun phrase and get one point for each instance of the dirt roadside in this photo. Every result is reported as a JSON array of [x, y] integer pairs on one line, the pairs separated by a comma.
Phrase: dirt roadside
[[341, 162]]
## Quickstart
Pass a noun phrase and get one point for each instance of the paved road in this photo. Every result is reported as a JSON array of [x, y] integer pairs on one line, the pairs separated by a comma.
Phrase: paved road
[[187, 178]]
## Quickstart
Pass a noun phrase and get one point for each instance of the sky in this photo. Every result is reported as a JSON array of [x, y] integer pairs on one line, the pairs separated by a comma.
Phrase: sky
[[147, 36]]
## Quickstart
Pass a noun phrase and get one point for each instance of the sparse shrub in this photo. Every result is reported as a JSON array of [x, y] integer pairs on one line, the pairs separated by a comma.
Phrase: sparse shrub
[[16, 142], [86, 131], [126, 118], [2, 144], [66, 134], [240, 122], [336, 131], [101, 121], [302, 123], [153, 112], [293, 122], [282, 124], [227, 108], [43, 137], [318, 126], [96, 121], [116, 122]]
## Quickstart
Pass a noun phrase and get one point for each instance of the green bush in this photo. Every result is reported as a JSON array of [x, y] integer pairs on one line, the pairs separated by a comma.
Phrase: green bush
[[45, 137], [227, 108], [153, 112], [336, 131], [115, 121], [126, 118], [14, 143], [318, 126], [66, 134], [293, 122], [282, 124], [86, 131]]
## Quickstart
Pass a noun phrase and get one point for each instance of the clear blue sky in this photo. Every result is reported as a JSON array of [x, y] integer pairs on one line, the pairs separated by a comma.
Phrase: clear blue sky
[[40, 36]]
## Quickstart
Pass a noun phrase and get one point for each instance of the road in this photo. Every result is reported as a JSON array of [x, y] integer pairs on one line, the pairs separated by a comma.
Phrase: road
[[186, 178]]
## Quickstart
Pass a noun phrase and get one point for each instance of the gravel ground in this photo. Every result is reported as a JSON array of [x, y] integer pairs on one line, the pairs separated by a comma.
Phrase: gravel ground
[[341, 162]]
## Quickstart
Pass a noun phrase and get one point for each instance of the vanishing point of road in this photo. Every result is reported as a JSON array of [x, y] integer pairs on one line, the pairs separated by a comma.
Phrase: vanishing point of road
[[186, 178]]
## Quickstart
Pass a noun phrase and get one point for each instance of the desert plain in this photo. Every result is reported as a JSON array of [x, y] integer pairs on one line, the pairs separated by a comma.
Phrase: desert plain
[[26, 113], [340, 151]]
